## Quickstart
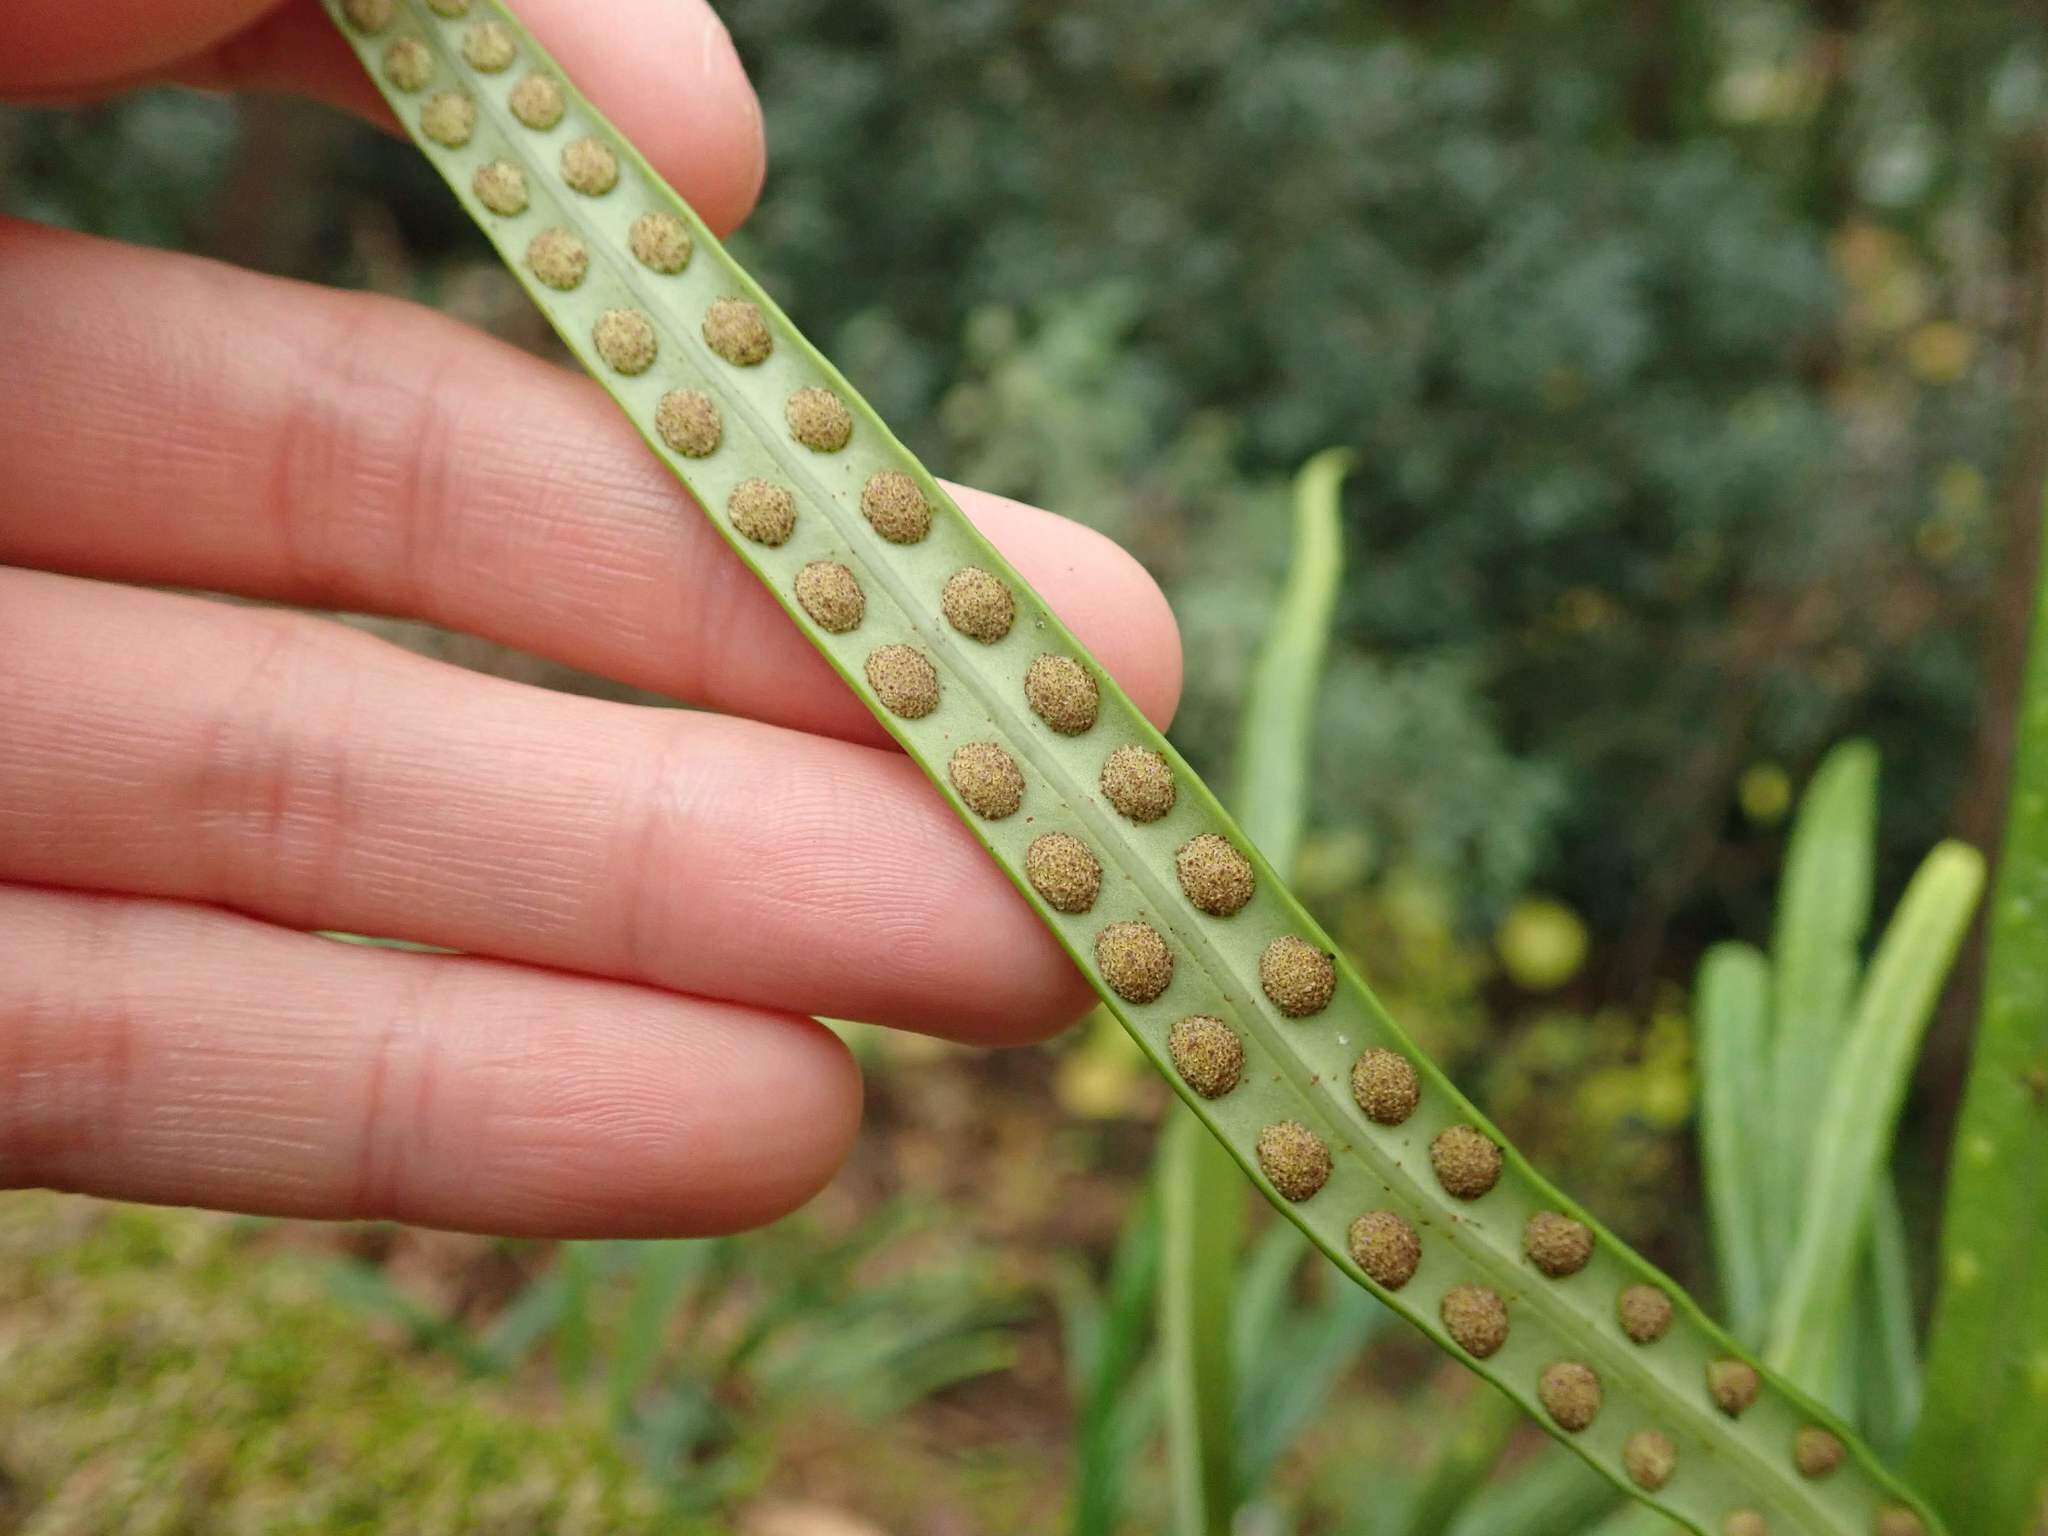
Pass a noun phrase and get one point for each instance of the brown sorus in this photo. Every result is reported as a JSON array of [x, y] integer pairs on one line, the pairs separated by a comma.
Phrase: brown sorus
[[1207, 1054], [1299, 978], [1293, 1159]]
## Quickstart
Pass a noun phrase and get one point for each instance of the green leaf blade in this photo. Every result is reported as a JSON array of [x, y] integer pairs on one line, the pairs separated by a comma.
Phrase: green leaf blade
[[1981, 1446], [1295, 1070], [1858, 1114], [1732, 1007], [1202, 1221], [1823, 913]]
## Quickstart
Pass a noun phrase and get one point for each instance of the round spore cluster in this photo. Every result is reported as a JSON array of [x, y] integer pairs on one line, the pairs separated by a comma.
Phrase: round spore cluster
[[449, 118], [1138, 783], [819, 419], [1733, 1385], [1062, 693], [589, 166], [558, 257], [987, 778], [1649, 1458], [660, 242], [1745, 1522], [501, 187], [1294, 1159], [1385, 1087], [369, 16], [759, 509], [1206, 1053], [689, 423], [904, 680], [1467, 1163], [1556, 1244], [625, 339], [1476, 1319], [896, 509], [1644, 1313], [736, 331], [974, 602], [1214, 875], [489, 47], [832, 597], [1385, 1246], [1299, 978], [538, 101], [409, 64], [1570, 1392], [1063, 871], [1816, 1452], [1898, 1521], [1134, 960]]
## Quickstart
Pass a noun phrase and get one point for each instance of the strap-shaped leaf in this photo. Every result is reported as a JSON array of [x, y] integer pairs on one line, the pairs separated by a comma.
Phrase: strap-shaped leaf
[[1982, 1442], [1123, 852]]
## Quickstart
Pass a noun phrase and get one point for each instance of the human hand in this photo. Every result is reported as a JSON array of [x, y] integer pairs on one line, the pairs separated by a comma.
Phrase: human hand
[[649, 902]]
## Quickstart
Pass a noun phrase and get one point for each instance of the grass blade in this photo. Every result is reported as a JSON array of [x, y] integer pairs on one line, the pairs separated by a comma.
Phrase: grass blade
[[1733, 1006], [662, 1273], [861, 546], [530, 1317], [1887, 1352], [1858, 1113], [1553, 1495], [1823, 914], [1201, 1210], [368, 1289], [1264, 1290], [1981, 1447], [575, 1343], [1282, 1389], [1276, 740], [1479, 1435], [1104, 1338]]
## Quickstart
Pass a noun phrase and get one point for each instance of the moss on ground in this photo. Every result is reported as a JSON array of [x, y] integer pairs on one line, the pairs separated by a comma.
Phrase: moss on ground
[[165, 1373]]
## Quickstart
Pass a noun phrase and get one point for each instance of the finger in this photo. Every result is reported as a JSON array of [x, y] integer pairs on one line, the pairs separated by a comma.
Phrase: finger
[[307, 774], [151, 1051], [664, 71], [176, 421]]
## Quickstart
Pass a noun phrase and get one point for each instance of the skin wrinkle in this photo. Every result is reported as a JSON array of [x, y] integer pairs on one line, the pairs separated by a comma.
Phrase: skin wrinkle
[[666, 808], [376, 1163], [261, 769], [65, 1066], [368, 448]]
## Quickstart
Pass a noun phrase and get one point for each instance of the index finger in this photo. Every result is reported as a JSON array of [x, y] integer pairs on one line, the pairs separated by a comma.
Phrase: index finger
[[664, 71]]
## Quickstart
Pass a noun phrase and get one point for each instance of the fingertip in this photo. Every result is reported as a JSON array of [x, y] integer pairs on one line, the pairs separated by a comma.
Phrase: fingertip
[[56, 49], [811, 1078], [772, 1115], [667, 75], [1102, 593]]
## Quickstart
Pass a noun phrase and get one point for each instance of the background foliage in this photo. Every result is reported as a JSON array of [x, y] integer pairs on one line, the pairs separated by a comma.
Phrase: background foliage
[[1684, 348]]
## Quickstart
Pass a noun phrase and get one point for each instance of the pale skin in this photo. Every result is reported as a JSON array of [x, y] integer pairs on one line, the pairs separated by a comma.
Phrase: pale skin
[[650, 903]]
